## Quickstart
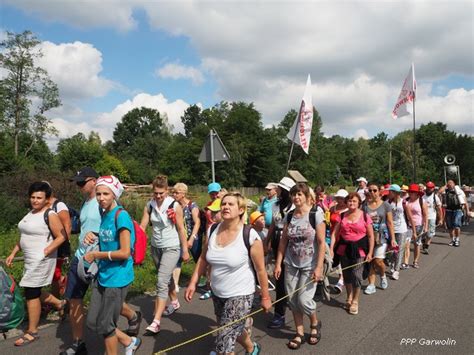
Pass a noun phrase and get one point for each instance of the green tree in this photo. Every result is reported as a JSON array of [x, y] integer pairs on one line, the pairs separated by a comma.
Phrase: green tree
[[140, 140], [26, 90], [78, 151]]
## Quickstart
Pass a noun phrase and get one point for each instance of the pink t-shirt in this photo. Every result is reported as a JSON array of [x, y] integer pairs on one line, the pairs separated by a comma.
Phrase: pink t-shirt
[[353, 231], [416, 212]]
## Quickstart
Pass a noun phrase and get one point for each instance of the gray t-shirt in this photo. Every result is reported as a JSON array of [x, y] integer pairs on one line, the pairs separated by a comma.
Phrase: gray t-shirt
[[301, 251], [379, 218]]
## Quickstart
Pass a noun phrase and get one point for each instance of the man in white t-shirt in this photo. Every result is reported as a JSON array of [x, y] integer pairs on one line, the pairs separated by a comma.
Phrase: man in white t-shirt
[[362, 188], [435, 216]]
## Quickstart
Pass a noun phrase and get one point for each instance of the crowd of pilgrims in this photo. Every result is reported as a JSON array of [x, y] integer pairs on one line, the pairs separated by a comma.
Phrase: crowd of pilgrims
[[289, 244]]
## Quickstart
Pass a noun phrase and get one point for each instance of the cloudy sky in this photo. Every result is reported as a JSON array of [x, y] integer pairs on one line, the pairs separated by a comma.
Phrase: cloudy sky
[[109, 56]]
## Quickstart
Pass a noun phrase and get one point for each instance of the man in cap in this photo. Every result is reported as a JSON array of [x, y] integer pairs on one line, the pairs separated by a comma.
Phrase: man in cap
[[267, 203], [435, 216], [362, 188]]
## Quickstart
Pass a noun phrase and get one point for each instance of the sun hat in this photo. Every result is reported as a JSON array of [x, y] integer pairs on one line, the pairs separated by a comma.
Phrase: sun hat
[[215, 206], [84, 173], [415, 188], [395, 188], [213, 187], [362, 179], [404, 188], [341, 193], [254, 216], [430, 185], [271, 185], [286, 183], [112, 183]]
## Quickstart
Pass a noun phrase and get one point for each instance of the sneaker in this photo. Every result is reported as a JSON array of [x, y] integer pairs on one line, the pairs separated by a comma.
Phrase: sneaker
[[78, 347], [456, 243], [134, 325], [424, 251], [133, 347], [384, 283], [277, 322], [369, 290], [153, 329], [256, 349], [171, 308], [452, 244], [338, 287], [395, 275], [206, 295], [405, 266]]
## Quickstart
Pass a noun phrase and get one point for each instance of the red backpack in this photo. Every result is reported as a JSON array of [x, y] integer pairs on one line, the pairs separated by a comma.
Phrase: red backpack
[[139, 247]]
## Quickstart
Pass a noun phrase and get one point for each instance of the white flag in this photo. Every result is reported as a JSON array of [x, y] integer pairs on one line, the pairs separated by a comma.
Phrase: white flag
[[407, 95], [300, 132]]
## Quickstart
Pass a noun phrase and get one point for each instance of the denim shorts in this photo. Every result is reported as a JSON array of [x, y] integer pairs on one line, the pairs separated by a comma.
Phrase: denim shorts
[[453, 219], [75, 288]]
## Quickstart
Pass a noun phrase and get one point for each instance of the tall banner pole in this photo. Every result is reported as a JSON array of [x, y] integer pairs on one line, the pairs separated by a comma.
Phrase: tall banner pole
[[414, 142], [212, 156], [293, 142]]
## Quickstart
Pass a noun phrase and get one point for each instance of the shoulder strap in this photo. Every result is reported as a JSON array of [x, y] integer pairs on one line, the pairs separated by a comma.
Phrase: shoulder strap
[[246, 234], [54, 207], [290, 215], [171, 204], [312, 216], [120, 209], [46, 219], [213, 228]]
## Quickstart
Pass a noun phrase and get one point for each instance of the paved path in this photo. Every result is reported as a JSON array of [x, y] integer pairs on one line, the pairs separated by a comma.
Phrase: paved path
[[434, 302]]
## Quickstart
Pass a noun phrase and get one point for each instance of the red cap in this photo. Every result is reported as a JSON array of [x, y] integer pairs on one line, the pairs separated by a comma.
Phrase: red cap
[[430, 185]]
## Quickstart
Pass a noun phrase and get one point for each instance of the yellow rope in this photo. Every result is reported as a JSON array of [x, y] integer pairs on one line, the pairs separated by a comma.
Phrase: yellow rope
[[248, 315]]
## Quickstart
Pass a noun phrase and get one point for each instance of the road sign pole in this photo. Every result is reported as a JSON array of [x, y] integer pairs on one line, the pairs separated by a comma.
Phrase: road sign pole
[[212, 156]]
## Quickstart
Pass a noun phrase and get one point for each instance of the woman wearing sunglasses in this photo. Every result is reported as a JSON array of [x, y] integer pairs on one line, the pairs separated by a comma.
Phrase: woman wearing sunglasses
[[382, 222]]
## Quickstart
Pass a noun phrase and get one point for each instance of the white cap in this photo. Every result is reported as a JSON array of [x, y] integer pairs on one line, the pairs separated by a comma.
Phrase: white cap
[[362, 179], [341, 193], [286, 183], [271, 185]]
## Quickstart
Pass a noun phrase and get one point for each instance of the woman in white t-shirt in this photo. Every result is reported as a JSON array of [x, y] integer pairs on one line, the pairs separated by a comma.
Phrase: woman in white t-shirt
[[39, 242], [232, 277]]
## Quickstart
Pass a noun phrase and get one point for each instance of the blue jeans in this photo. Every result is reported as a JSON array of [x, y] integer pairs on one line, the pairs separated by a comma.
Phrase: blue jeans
[[453, 219]]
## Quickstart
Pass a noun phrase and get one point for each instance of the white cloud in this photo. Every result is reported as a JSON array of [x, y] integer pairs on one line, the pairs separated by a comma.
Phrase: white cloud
[[75, 68], [361, 133], [176, 71], [71, 120], [357, 52], [83, 14]]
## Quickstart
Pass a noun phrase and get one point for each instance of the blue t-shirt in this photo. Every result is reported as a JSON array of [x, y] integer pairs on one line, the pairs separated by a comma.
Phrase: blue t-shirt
[[266, 208], [116, 273], [90, 222]]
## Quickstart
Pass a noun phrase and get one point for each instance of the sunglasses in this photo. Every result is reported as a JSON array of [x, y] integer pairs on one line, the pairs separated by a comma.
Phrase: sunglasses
[[373, 190], [82, 183]]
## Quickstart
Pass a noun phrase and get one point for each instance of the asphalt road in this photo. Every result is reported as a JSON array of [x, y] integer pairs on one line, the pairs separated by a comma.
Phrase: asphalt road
[[429, 310]]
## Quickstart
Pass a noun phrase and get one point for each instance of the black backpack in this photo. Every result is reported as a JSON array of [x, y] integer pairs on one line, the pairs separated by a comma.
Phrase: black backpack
[[64, 249], [452, 200]]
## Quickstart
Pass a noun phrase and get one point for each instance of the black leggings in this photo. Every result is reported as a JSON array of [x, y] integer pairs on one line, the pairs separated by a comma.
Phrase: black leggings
[[280, 306], [32, 292]]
